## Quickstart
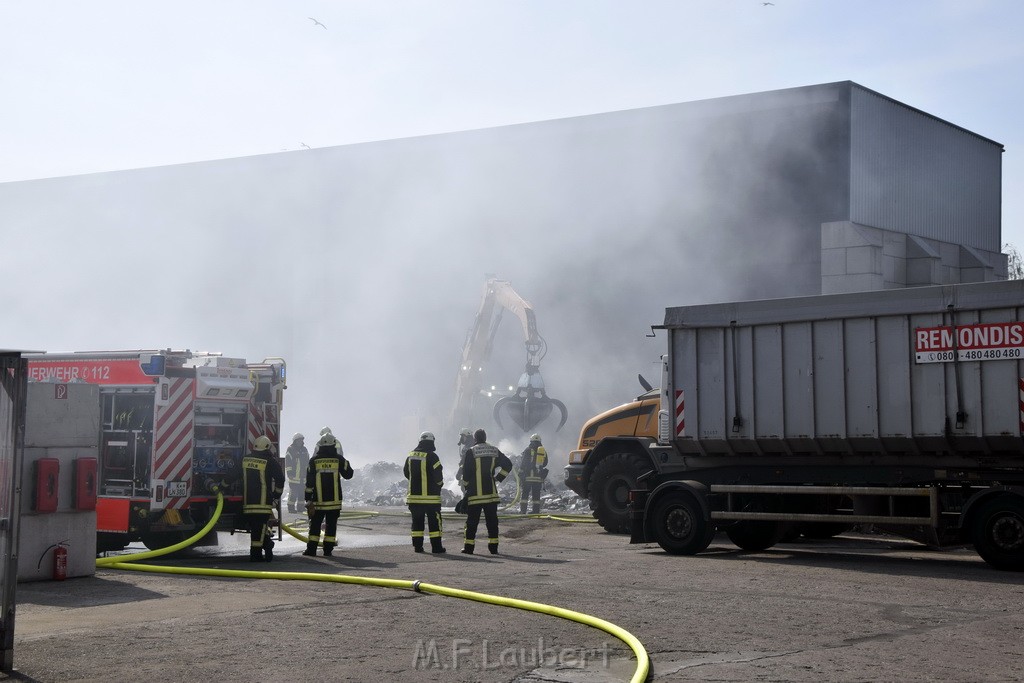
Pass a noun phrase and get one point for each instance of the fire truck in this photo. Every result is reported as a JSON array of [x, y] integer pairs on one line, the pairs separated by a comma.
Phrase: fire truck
[[172, 428]]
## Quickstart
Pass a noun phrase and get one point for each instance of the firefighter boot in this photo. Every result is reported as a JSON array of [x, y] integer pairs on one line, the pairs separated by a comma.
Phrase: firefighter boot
[[435, 546], [328, 549], [310, 550], [467, 550], [417, 545], [536, 508], [522, 508], [493, 547], [268, 549]]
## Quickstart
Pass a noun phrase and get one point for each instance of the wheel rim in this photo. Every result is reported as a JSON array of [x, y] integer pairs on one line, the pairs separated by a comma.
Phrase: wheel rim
[[618, 493], [1007, 533], [679, 523]]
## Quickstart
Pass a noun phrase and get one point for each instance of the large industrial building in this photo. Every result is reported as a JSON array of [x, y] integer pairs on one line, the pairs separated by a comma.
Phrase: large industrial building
[[364, 262]]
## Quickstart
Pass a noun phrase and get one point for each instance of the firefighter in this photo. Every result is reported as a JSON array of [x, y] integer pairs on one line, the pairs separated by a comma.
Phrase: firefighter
[[426, 479], [323, 491], [465, 443], [483, 468], [296, 459], [262, 485], [533, 470]]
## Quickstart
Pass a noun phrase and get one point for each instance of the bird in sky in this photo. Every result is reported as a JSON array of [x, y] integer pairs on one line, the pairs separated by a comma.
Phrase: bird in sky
[[763, 4], [305, 145], [317, 23]]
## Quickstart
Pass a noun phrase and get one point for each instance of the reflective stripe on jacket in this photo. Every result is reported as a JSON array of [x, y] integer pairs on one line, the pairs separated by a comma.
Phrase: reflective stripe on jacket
[[323, 478], [483, 468], [296, 459], [262, 482], [534, 460], [426, 479]]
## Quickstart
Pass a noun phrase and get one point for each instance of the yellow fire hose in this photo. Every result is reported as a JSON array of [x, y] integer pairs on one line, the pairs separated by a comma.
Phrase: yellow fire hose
[[117, 562]]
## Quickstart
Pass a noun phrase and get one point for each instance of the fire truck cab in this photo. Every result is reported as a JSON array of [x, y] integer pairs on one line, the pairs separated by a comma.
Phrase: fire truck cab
[[172, 428]]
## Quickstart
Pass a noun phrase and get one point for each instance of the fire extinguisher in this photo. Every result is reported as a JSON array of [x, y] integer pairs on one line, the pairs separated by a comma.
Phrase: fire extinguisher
[[60, 563]]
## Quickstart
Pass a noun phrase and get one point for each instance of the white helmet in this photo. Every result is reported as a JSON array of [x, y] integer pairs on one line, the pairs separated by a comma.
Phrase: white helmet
[[535, 437], [262, 443], [465, 432], [427, 436], [297, 437], [325, 430]]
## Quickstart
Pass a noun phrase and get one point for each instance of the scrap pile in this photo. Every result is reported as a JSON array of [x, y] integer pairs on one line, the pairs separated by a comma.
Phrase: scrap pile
[[382, 484]]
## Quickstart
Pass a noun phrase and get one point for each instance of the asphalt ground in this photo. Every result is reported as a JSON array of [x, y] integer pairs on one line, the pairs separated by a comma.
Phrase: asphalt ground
[[853, 608]]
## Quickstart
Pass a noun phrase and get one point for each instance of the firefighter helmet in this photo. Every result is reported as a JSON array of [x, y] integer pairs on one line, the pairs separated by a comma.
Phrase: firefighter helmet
[[427, 436], [325, 430], [298, 437], [465, 432], [262, 443], [535, 437]]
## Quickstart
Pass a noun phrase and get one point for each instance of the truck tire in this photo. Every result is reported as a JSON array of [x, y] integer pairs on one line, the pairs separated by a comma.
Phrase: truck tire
[[828, 505], [821, 531], [751, 535], [610, 483], [997, 531], [679, 525]]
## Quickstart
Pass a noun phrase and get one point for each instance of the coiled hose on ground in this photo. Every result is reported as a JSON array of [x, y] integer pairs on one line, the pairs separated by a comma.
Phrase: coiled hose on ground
[[118, 562]]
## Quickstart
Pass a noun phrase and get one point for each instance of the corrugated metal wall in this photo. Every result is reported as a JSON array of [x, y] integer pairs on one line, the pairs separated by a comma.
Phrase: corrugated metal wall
[[838, 374], [912, 173]]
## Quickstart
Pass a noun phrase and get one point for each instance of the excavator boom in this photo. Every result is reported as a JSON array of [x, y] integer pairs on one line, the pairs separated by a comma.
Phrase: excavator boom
[[530, 405]]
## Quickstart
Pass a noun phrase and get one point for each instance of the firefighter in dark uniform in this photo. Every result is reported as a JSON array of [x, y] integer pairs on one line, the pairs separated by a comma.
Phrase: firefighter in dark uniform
[[533, 470], [483, 468], [296, 459], [262, 485], [426, 479], [323, 492], [465, 443]]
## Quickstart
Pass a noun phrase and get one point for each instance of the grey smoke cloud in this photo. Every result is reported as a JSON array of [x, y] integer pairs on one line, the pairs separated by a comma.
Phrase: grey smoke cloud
[[363, 265]]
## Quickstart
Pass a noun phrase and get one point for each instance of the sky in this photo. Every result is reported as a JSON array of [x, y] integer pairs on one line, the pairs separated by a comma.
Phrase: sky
[[110, 86]]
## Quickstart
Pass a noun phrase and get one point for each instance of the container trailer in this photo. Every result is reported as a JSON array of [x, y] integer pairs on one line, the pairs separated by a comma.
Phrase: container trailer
[[901, 409]]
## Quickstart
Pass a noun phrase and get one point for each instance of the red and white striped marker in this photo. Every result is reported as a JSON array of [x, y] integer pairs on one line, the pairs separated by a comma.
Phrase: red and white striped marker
[[681, 418]]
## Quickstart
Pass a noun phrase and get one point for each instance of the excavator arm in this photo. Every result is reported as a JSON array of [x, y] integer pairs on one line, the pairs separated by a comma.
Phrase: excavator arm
[[530, 404]]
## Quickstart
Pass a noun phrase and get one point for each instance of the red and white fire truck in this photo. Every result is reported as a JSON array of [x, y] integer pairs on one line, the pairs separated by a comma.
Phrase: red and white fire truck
[[173, 427]]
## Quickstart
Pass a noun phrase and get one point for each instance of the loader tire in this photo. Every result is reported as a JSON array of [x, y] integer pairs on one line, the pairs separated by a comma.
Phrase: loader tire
[[610, 483]]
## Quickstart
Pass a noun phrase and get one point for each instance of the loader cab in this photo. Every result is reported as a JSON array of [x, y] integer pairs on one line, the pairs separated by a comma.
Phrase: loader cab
[[636, 418]]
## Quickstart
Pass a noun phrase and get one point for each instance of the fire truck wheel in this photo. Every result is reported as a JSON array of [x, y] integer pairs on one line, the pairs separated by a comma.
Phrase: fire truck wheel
[[679, 525], [107, 542], [610, 483], [157, 540], [997, 530]]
